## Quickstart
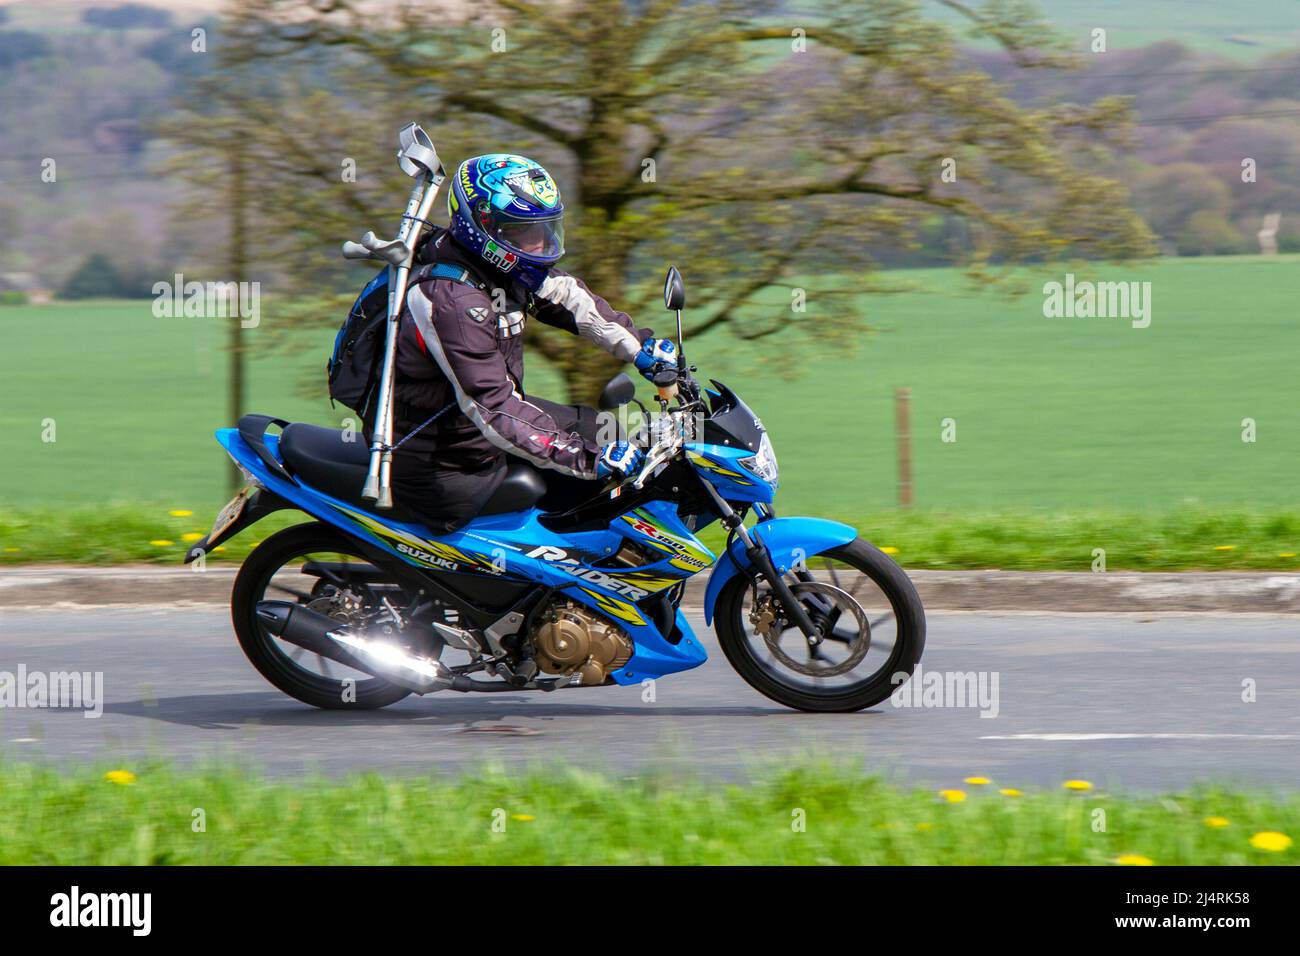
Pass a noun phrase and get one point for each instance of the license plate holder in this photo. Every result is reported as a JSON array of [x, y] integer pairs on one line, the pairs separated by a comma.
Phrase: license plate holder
[[230, 513]]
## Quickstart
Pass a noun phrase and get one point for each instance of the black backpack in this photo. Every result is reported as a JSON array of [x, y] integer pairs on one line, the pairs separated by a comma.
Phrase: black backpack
[[357, 361]]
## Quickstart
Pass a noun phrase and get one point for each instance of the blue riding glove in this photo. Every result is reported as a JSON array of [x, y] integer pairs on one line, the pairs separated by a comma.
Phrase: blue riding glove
[[655, 356], [618, 458]]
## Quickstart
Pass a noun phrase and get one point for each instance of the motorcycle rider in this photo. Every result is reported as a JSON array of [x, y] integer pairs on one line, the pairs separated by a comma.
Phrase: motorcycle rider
[[460, 349]]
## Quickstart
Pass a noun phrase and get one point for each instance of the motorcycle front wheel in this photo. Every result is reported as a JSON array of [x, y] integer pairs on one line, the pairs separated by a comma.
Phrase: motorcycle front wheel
[[870, 622]]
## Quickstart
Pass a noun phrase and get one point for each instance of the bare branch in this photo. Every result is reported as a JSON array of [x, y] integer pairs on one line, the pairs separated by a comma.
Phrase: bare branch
[[531, 121]]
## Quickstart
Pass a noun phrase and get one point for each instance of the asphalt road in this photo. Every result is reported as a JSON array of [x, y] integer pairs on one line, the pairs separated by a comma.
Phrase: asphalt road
[[1125, 701]]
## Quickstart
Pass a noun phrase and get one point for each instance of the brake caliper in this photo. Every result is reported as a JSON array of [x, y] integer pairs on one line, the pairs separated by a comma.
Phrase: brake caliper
[[763, 616]]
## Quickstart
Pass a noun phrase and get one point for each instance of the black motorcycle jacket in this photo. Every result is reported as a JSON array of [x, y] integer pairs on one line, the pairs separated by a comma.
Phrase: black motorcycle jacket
[[462, 343]]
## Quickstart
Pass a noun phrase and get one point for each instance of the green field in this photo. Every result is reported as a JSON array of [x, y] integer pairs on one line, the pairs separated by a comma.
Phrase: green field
[[1054, 417], [1050, 413], [1227, 29], [810, 814]]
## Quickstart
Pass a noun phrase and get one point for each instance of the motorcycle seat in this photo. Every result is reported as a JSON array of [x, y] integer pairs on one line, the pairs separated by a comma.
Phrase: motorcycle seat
[[321, 457]]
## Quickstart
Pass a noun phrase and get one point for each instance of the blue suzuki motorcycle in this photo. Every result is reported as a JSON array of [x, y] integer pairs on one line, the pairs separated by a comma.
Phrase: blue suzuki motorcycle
[[361, 607]]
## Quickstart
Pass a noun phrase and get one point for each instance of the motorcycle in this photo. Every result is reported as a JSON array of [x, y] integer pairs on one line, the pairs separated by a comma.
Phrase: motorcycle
[[363, 606]]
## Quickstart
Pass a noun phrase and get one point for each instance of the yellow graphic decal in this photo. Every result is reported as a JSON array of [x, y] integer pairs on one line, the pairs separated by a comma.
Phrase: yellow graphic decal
[[431, 554], [649, 581], [614, 607], [688, 564], [708, 464]]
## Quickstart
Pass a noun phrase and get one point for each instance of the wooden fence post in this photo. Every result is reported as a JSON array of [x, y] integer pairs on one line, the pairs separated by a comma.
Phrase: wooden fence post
[[903, 428]]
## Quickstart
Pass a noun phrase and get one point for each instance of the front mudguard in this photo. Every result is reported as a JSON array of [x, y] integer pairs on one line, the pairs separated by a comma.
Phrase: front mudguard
[[788, 540]]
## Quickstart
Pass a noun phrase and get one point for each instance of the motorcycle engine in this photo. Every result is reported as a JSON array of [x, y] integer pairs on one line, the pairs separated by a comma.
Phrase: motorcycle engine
[[572, 640]]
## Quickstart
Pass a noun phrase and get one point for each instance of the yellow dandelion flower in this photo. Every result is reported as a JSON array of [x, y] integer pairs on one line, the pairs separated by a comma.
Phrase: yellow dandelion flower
[[978, 781], [1286, 554], [1077, 785], [925, 827], [219, 548], [121, 777], [1009, 792], [953, 796], [1271, 841], [191, 536], [889, 549], [12, 550], [180, 513], [1225, 547], [521, 816], [161, 543], [1216, 822], [1134, 859]]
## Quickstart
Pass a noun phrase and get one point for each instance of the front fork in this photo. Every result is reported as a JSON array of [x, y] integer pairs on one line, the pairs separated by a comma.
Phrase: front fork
[[761, 559]]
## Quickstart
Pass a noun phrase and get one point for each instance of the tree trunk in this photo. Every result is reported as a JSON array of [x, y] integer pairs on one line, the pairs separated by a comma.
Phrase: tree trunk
[[585, 367], [602, 262], [587, 373], [238, 264]]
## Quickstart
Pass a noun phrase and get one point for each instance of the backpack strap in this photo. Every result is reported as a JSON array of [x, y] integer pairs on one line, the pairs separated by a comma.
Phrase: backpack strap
[[444, 270]]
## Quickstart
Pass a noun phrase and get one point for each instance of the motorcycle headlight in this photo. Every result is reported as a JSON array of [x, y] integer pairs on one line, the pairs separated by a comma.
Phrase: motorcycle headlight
[[763, 464]]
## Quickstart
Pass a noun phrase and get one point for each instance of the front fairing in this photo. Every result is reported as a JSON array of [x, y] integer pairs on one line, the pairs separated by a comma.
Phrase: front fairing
[[720, 466], [732, 433]]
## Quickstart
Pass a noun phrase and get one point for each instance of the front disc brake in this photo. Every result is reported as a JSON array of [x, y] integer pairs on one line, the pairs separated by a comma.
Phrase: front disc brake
[[824, 594]]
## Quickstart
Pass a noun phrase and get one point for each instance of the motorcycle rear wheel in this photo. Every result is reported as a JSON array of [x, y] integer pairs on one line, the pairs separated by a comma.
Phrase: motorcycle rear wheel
[[772, 664], [282, 663]]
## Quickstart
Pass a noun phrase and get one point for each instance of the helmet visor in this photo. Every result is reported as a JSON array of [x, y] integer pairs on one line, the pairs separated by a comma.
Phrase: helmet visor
[[532, 238]]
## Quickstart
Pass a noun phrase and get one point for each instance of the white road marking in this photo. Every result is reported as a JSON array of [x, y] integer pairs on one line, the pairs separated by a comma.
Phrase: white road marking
[[1142, 737]]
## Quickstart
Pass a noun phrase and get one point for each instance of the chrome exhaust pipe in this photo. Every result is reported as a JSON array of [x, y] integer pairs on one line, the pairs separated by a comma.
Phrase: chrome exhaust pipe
[[395, 664], [323, 635]]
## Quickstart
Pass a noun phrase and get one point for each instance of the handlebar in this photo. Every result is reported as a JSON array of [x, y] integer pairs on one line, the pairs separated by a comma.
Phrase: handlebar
[[667, 445], [654, 458]]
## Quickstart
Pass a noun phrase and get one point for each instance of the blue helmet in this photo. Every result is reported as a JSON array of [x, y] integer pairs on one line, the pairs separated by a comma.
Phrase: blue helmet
[[507, 209]]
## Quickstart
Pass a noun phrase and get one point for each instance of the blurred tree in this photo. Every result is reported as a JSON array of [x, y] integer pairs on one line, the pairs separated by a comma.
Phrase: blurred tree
[[1167, 196], [750, 145], [96, 278], [216, 141], [11, 227], [17, 46], [128, 16], [1208, 233]]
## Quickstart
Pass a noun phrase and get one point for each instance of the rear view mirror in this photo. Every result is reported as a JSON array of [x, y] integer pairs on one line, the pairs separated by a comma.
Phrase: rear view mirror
[[619, 391], [674, 291]]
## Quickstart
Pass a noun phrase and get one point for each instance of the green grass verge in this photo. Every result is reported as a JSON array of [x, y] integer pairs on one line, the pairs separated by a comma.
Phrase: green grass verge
[[810, 815], [1187, 539]]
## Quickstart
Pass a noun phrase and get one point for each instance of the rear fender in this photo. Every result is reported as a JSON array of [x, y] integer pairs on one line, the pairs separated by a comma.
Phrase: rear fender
[[260, 504]]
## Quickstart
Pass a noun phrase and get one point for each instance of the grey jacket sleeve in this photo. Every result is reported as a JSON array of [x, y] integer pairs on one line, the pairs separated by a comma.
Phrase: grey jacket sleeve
[[565, 302], [466, 351]]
